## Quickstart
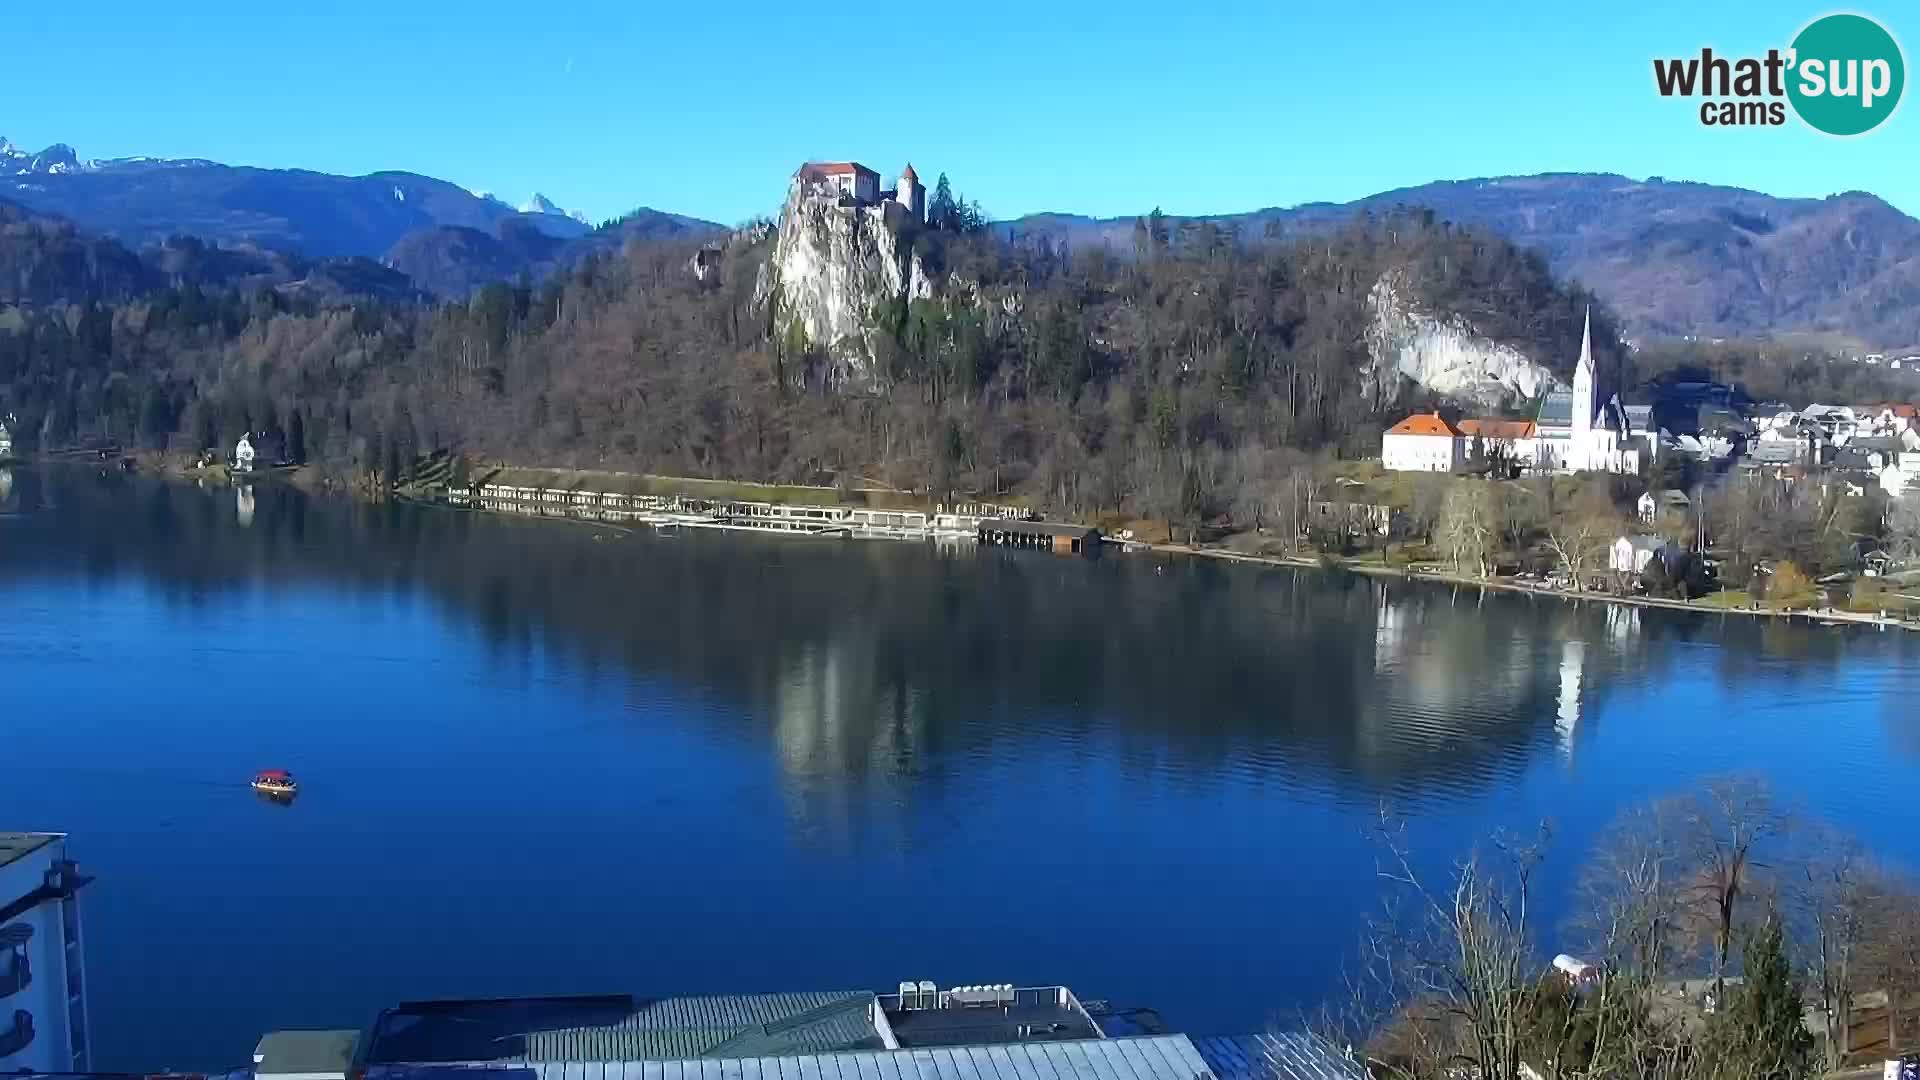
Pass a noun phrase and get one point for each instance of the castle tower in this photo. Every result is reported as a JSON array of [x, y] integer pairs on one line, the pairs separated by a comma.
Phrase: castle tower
[[911, 193]]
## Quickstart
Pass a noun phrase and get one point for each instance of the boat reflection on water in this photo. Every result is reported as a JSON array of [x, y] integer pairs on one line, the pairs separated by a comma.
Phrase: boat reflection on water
[[277, 798]]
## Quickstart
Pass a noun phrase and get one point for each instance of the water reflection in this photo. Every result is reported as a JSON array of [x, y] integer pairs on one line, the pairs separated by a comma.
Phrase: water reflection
[[870, 660], [920, 756]]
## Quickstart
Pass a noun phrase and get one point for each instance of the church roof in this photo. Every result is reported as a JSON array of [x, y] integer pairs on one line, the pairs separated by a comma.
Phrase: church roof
[[1424, 424], [908, 173], [1556, 409], [1497, 429]]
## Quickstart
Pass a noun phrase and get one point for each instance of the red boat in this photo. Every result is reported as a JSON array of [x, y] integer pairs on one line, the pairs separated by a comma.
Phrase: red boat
[[277, 782]]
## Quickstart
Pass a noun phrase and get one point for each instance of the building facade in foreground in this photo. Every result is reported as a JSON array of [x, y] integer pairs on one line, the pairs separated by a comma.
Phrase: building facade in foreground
[[999, 1031], [43, 993]]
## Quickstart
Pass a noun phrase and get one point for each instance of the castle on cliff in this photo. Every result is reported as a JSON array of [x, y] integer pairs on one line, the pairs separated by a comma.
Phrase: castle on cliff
[[860, 186]]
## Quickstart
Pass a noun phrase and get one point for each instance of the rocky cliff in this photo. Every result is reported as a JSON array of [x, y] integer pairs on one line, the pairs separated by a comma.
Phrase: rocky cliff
[[833, 264], [1442, 353]]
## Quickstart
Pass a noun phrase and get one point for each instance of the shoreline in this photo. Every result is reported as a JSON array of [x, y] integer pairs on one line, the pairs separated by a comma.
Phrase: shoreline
[[1298, 562], [314, 481]]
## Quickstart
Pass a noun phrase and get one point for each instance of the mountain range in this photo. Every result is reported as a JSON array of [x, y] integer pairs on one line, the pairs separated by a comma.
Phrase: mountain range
[[1672, 258], [446, 238]]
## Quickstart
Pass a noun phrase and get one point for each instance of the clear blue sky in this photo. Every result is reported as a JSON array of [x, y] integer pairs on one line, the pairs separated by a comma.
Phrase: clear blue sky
[[1111, 108]]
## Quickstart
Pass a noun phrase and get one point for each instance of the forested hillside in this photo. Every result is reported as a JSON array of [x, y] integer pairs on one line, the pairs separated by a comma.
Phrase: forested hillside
[[1672, 258], [1174, 383]]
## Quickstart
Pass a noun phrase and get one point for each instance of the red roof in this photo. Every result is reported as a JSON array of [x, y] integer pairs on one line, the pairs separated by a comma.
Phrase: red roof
[[837, 168], [1424, 424], [908, 173], [273, 774], [1497, 429]]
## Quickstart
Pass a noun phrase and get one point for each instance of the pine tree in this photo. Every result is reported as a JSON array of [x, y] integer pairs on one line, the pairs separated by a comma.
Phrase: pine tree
[[297, 438], [1760, 1035], [941, 210]]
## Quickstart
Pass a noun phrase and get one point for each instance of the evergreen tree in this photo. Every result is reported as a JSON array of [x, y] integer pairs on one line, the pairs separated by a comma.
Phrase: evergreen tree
[[1759, 1035], [297, 438], [942, 212]]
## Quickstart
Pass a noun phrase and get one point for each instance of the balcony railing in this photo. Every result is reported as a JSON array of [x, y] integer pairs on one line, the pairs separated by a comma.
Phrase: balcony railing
[[15, 971], [18, 1036]]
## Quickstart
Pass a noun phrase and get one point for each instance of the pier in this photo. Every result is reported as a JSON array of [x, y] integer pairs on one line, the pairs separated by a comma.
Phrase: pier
[[625, 498]]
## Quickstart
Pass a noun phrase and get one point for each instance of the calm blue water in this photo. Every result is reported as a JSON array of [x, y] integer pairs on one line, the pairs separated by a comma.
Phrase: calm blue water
[[540, 757]]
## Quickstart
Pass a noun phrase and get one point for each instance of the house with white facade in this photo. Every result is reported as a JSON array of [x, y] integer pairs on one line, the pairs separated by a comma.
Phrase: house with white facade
[[243, 454], [1424, 442], [1655, 503], [1631, 554], [43, 988], [6, 441]]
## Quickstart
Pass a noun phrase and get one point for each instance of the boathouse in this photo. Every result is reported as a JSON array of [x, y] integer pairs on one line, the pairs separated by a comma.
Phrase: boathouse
[[1059, 538]]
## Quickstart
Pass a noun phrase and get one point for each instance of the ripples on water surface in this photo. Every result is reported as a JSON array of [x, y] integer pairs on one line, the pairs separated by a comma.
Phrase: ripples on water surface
[[546, 758]]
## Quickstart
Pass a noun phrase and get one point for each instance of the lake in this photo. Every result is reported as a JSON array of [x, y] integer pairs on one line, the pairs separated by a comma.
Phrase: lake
[[548, 757]]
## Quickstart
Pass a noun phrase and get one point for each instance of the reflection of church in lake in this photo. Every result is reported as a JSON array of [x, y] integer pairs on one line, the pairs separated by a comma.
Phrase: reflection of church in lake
[[1473, 676], [848, 727]]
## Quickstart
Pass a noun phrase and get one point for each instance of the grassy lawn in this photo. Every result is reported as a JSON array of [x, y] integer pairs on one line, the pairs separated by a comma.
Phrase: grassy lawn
[[1727, 598]]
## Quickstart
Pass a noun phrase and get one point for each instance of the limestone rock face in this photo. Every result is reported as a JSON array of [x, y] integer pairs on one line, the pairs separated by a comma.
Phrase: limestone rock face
[[833, 263], [1443, 353]]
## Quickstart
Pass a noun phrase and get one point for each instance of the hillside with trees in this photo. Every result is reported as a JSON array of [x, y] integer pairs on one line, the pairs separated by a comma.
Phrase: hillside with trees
[[1166, 383], [1673, 259]]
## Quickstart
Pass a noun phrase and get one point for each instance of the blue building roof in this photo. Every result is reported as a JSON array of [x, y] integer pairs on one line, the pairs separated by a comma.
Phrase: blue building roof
[[1291, 1056]]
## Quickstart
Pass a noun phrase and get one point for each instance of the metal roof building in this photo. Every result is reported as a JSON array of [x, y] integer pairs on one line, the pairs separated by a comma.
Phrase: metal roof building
[[1158, 1057], [1276, 1057], [622, 1028]]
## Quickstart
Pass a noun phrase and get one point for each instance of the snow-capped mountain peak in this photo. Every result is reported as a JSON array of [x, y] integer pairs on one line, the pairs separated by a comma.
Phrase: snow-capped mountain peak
[[540, 204], [55, 160]]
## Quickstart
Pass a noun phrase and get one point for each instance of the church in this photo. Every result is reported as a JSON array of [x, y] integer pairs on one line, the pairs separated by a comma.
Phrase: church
[[1587, 429]]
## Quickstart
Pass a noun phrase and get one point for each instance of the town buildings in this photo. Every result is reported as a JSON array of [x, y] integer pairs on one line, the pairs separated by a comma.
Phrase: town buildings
[[43, 988]]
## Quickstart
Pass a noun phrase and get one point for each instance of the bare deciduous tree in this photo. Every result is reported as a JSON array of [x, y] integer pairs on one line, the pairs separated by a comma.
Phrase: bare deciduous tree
[[1835, 892], [1450, 963], [1727, 829]]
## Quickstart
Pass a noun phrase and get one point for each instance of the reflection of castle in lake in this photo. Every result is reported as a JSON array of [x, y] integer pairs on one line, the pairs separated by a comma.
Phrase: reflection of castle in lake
[[243, 504]]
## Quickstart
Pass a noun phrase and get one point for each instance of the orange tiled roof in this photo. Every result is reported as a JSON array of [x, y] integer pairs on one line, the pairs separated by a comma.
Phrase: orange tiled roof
[[836, 168], [1497, 429], [1424, 424]]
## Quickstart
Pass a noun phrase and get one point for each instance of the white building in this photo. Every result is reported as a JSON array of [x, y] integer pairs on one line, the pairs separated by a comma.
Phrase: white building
[[1631, 554], [43, 993], [243, 454], [1423, 442], [1654, 503], [862, 185], [6, 441]]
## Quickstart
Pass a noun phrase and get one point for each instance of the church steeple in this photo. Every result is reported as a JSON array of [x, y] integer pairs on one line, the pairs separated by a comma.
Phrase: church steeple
[[1583, 403]]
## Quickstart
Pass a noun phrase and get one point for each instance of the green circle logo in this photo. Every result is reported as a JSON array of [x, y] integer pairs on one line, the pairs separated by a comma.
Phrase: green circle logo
[[1847, 74]]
